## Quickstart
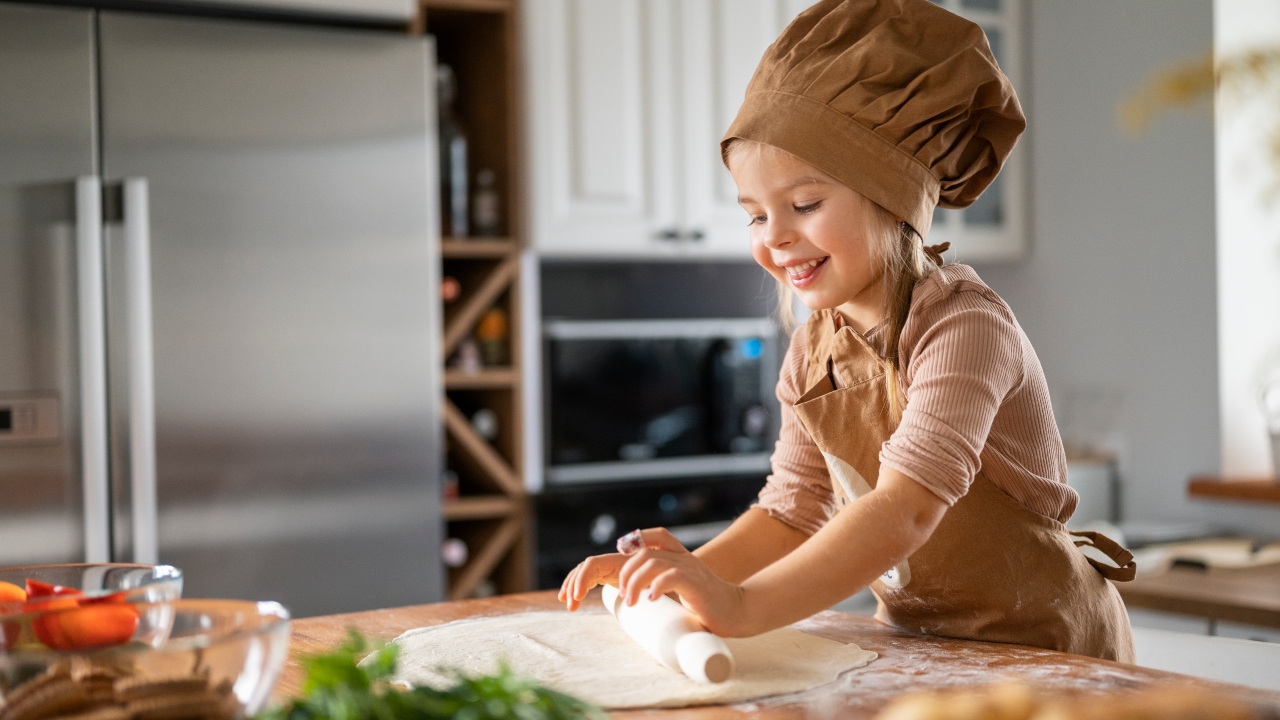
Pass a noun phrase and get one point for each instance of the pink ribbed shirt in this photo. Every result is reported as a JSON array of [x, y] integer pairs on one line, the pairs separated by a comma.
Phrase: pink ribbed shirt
[[976, 400]]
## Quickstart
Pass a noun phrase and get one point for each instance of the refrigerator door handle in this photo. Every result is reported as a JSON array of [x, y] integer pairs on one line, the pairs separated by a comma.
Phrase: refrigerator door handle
[[93, 369], [142, 412]]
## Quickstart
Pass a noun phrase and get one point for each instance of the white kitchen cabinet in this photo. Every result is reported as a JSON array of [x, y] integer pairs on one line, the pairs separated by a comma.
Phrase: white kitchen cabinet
[[627, 103], [994, 228], [628, 100], [721, 42]]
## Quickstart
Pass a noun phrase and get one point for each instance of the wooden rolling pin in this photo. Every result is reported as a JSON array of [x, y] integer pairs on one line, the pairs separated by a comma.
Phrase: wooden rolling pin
[[672, 636]]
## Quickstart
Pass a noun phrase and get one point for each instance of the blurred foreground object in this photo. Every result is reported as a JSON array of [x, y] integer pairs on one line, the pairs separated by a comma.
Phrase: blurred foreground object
[[1015, 701], [337, 686], [208, 659]]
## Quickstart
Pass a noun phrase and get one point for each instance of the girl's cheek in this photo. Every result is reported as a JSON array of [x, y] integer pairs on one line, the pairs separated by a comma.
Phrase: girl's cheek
[[760, 253]]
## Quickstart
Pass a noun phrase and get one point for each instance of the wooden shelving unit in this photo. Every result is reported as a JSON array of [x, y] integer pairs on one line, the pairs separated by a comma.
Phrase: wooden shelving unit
[[477, 248], [477, 38]]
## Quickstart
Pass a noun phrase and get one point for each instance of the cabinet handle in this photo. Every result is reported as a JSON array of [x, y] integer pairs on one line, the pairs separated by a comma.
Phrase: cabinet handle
[[696, 235], [670, 234]]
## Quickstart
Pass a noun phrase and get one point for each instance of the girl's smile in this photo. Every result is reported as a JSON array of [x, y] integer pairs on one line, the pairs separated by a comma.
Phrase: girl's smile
[[803, 273]]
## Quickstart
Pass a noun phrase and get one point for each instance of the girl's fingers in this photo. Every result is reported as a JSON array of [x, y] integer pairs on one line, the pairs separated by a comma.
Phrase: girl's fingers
[[642, 579], [665, 582], [662, 539], [594, 571], [567, 583], [633, 561], [566, 587], [582, 583], [636, 582], [566, 591]]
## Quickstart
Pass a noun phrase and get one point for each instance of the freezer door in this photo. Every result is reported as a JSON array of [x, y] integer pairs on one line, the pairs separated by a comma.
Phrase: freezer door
[[46, 142], [288, 206]]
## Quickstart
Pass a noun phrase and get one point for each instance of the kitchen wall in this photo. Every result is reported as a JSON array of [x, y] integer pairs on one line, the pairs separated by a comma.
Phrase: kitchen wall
[[1118, 294]]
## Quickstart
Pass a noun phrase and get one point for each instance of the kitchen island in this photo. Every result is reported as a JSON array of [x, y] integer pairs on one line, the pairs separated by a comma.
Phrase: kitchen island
[[907, 662]]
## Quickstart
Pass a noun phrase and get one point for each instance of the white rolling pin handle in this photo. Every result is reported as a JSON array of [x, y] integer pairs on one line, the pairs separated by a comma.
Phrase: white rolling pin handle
[[704, 657], [609, 596], [670, 635], [655, 625]]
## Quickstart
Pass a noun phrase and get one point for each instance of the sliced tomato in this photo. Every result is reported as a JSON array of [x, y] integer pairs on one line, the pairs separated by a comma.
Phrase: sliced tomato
[[70, 621], [9, 631], [37, 589], [12, 593], [91, 625]]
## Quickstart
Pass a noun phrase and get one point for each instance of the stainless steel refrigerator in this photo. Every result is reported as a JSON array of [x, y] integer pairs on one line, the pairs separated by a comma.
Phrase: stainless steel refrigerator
[[218, 304]]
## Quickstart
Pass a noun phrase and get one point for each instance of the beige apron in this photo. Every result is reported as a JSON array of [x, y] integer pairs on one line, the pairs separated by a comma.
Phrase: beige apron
[[993, 569]]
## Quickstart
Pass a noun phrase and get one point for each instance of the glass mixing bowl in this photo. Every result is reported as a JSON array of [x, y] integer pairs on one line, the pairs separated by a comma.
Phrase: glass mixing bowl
[[216, 659], [139, 583]]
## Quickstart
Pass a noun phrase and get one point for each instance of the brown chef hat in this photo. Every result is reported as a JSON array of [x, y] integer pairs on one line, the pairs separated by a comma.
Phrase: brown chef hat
[[898, 99]]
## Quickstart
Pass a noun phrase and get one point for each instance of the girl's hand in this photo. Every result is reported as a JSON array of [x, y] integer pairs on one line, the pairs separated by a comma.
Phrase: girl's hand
[[596, 570], [603, 569], [665, 566]]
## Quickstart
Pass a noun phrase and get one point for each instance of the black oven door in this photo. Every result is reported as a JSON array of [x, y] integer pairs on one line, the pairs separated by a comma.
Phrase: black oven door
[[659, 399]]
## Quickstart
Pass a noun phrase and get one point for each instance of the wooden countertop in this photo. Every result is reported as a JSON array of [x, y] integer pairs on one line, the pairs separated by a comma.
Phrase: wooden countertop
[[1250, 595], [907, 662]]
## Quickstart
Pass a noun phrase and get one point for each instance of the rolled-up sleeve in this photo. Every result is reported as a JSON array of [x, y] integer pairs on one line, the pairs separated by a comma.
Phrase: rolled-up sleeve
[[967, 361], [798, 492]]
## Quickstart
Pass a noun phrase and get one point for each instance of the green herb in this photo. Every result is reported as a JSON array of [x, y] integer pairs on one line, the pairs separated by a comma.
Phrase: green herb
[[342, 686]]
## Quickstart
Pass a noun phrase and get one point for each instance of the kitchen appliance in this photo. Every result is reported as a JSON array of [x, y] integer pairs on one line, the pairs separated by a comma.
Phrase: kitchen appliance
[[634, 399], [218, 304], [577, 521]]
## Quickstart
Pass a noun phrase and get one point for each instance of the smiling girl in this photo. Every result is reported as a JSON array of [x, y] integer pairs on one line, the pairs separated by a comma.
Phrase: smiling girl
[[918, 453]]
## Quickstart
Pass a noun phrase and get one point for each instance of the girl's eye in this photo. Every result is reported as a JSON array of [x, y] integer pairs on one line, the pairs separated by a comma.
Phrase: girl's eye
[[808, 208], [756, 220]]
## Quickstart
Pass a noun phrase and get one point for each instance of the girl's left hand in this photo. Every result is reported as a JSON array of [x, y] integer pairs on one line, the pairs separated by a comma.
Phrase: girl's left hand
[[665, 566]]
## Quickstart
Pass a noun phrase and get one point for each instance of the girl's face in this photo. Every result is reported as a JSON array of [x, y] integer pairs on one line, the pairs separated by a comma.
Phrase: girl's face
[[808, 231]]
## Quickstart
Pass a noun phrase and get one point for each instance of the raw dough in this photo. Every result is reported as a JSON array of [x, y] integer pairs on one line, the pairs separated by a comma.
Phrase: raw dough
[[587, 655]]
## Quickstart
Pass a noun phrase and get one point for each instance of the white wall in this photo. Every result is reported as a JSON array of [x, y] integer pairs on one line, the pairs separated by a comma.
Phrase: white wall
[[1248, 244], [1118, 294]]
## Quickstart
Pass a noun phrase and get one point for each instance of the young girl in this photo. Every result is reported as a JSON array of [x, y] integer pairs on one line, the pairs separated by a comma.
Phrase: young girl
[[918, 452]]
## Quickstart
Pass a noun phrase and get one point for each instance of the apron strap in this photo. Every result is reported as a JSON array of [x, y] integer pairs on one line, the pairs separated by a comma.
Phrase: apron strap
[[1125, 568]]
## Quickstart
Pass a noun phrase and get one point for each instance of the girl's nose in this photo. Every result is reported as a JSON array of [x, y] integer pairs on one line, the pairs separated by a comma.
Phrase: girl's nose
[[779, 235]]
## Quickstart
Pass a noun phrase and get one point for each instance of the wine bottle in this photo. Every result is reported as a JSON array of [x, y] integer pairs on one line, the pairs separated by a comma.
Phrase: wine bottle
[[453, 155]]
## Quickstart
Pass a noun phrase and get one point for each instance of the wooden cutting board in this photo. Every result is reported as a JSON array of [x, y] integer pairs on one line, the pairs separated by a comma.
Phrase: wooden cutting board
[[907, 662]]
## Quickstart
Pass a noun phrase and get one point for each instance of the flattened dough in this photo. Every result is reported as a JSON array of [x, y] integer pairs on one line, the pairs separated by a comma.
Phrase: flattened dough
[[590, 657]]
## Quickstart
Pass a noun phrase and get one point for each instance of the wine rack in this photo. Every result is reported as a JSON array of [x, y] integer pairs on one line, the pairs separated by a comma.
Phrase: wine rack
[[491, 512]]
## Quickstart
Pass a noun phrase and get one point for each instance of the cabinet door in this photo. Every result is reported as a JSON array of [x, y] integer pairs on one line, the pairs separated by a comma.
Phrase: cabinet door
[[721, 43], [603, 125], [47, 514]]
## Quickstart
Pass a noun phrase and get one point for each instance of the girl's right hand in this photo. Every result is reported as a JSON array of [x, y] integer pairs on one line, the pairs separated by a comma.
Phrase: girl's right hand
[[603, 569]]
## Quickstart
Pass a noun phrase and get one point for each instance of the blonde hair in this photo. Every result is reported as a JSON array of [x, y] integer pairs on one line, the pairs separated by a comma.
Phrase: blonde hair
[[900, 251]]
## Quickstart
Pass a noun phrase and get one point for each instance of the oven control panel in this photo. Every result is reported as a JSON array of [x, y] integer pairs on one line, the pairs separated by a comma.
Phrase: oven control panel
[[28, 420]]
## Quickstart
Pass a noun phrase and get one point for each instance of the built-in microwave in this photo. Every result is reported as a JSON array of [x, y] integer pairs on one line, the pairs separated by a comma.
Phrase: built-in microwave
[[635, 399]]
